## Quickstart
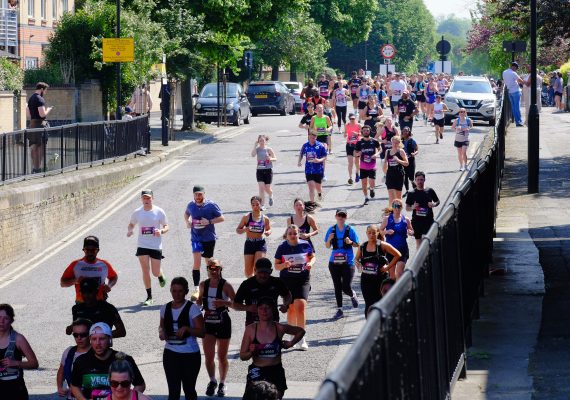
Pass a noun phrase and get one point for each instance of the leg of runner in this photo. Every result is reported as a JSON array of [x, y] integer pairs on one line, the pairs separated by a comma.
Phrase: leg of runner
[[269, 191], [351, 163], [145, 269], [312, 188], [197, 255], [248, 264], [209, 346], [262, 191], [155, 265], [372, 185], [399, 270], [223, 364], [364, 188], [460, 157]]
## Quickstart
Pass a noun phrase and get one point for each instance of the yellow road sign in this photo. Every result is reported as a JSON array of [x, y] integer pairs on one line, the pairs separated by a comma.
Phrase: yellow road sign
[[118, 50]]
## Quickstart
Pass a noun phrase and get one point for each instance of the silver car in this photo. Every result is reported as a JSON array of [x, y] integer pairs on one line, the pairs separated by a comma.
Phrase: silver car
[[475, 94], [296, 88]]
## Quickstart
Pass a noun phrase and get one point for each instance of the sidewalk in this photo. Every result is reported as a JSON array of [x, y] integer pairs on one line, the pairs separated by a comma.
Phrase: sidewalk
[[521, 343]]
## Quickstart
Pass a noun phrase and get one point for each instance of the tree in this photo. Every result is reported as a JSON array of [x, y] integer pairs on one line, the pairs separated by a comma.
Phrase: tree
[[11, 76]]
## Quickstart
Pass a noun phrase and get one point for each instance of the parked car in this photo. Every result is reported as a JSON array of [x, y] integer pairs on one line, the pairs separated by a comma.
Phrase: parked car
[[475, 94], [296, 88], [269, 97], [237, 107]]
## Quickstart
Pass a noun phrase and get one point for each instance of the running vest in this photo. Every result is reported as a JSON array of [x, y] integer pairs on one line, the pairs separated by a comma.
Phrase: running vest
[[10, 374], [388, 135], [371, 112], [256, 226], [324, 88], [372, 261], [263, 161], [462, 130], [69, 364], [320, 125], [334, 241], [393, 165], [213, 316], [267, 350], [183, 320]]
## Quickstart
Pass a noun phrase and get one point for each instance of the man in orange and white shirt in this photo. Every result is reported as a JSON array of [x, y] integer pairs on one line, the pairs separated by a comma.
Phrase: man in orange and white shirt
[[90, 267]]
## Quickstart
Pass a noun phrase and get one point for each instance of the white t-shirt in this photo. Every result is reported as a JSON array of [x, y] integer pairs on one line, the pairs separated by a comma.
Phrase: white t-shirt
[[510, 79], [397, 88], [438, 111], [148, 222], [191, 345]]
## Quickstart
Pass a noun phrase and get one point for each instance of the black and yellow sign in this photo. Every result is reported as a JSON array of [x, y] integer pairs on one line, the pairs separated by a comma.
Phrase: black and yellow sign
[[118, 50]]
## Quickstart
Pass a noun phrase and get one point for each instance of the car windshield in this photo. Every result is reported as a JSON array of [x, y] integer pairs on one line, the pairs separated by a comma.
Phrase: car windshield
[[210, 90], [294, 86], [254, 89], [471, 87]]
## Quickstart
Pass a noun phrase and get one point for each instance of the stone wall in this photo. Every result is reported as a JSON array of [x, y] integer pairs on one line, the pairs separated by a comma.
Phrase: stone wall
[[7, 123]]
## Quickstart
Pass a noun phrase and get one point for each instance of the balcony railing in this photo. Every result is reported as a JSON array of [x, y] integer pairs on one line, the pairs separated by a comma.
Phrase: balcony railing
[[9, 29]]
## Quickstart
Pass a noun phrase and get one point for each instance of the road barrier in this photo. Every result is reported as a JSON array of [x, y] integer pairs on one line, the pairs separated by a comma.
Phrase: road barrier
[[72, 146], [413, 345]]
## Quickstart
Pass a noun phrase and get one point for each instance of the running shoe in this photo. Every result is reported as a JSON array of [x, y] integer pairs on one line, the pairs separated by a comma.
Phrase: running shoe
[[436, 141], [357, 179], [339, 314], [366, 200], [148, 302], [324, 178], [441, 135], [320, 196], [354, 300], [211, 389], [195, 293], [221, 390], [462, 168], [162, 280], [350, 181], [372, 193], [303, 346], [270, 205]]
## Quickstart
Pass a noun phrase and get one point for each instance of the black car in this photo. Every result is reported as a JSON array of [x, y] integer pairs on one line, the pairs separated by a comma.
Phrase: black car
[[236, 108], [270, 97]]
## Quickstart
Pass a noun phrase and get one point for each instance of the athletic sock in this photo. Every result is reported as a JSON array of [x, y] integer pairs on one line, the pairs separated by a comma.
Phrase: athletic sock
[[149, 293], [196, 277], [213, 379]]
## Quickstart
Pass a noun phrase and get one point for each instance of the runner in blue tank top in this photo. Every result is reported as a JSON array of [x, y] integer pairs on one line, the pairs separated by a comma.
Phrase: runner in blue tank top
[[396, 227]]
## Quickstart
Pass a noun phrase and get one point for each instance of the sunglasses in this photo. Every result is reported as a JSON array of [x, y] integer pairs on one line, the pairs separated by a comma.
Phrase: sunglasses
[[123, 384], [341, 215], [213, 268], [462, 112], [80, 334], [396, 206]]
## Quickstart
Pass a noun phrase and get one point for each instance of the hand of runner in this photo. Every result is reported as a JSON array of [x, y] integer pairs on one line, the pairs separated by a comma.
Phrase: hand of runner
[[347, 241], [182, 331], [389, 231], [204, 221], [416, 205], [62, 392], [252, 349], [106, 288], [129, 233], [283, 308], [431, 204], [287, 344], [157, 233]]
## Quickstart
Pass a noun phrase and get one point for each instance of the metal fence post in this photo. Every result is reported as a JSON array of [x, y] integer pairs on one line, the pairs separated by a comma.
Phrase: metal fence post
[[62, 156], [77, 147], [4, 140], [25, 149]]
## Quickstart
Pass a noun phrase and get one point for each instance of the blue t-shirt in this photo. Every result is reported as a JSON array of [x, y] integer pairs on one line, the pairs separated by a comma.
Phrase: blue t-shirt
[[209, 210], [398, 238], [340, 255], [298, 255], [311, 152]]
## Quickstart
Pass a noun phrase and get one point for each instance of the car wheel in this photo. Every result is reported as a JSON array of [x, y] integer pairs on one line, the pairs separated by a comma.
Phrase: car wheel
[[253, 114], [283, 111], [247, 119], [447, 121], [492, 122], [292, 112], [238, 119]]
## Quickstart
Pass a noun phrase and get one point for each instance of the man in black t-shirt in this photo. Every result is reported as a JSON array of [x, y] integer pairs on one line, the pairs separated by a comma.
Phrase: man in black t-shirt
[[406, 110], [421, 202], [97, 311], [306, 120], [90, 375], [37, 113], [262, 284]]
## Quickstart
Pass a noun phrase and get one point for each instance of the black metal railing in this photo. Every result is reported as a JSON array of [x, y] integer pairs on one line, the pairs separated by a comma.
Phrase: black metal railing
[[413, 345], [71, 147]]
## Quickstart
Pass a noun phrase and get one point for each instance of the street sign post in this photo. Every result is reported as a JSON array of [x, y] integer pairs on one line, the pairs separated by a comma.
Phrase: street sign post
[[385, 68], [443, 47], [514, 46], [118, 50], [388, 51]]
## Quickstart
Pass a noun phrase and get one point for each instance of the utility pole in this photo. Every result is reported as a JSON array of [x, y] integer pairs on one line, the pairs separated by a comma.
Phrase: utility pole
[[533, 118], [118, 65]]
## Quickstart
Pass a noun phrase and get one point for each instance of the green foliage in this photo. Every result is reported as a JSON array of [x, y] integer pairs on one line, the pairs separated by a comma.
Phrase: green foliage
[[11, 76], [452, 25], [48, 73]]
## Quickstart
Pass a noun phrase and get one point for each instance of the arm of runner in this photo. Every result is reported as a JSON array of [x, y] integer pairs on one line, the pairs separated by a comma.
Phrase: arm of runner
[[404, 161], [228, 291], [296, 331], [246, 350], [267, 224], [313, 223], [186, 220], [254, 151], [120, 330], [311, 261], [388, 248], [241, 226], [272, 156], [410, 228], [357, 258], [217, 220], [280, 265], [76, 392], [61, 392]]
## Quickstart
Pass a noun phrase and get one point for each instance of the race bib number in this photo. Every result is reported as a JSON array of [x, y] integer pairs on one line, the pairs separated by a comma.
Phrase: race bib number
[[340, 258], [262, 163], [8, 374], [298, 262], [212, 317], [197, 224], [147, 230], [354, 138], [422, 212], [402, 109], [321, 130], [367, 158], [370, 268], [397, 92], [393, 162], [311, 156], [353, 90]]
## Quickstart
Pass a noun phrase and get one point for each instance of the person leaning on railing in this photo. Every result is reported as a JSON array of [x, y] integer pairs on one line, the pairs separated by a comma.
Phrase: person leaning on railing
[[37, 113]]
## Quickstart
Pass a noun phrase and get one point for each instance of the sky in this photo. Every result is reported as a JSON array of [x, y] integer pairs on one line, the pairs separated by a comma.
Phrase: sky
[[445, 7]]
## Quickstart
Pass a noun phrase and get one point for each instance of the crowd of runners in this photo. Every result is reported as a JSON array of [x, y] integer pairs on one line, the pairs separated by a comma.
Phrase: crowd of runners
[[378, 132]]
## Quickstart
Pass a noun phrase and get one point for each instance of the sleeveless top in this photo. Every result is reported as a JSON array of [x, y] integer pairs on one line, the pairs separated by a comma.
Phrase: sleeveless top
[[398, 239], [214, 315], [263, 161], [268, 350], [320, 125], [394, 167], [352, 133], [372, 261], [304, 228], [388, 135], [371, 112], [438, 111], [9, 376], [462, 130], [256, 226], [363, 94]]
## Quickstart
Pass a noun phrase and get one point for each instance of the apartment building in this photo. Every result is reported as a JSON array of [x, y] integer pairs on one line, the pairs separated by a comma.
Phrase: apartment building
[[25, 27]]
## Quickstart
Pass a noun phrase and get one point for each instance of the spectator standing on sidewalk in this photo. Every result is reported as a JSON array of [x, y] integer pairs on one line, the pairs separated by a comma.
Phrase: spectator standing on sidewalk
[[141, 101], [558, 90], [152, 225], [37, 112], [512, 81]]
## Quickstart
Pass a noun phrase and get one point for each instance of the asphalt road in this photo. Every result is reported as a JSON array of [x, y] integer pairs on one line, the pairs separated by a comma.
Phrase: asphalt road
[[225, 167]]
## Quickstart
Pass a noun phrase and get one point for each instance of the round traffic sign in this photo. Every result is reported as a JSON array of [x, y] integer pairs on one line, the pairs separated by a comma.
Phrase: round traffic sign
[[443, 47], [388, 51]]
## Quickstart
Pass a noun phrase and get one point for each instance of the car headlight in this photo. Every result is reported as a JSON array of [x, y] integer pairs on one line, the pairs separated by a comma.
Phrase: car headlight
[[198, 106], [450, 99], [489, 101], [230, 106]]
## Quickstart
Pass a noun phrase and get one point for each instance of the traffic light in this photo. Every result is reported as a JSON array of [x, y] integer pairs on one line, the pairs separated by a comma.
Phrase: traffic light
[[248, 59]]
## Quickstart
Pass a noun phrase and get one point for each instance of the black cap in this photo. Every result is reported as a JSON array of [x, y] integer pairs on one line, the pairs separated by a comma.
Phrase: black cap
[[515, 64], [198, 189], [341, 211], [89, 285], [91, 241], [146, 192], [263, 264]]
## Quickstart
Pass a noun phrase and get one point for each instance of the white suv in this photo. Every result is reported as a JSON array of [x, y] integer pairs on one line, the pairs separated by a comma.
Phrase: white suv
[[475, 94]]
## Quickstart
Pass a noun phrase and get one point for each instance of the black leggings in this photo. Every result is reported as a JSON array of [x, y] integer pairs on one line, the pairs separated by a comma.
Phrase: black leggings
[[342, 275], [409, 173], [181, 369], [340, 115], [370, 286]]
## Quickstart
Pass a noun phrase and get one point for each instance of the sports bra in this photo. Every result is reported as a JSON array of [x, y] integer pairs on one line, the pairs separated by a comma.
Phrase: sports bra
[[256, 226], [268, 350]]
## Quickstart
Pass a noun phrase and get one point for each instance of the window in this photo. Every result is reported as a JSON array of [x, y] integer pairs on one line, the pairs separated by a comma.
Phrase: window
[[43, 9], [54, 9], [64, 6], [31, 62], [31, 8]]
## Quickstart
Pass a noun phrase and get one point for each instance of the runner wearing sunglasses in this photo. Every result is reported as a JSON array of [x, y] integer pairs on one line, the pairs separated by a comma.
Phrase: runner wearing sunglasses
[[121, 378], [80, 331]]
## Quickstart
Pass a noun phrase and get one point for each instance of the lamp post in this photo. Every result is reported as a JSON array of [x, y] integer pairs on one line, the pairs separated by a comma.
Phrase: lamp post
[[533, 118], [118, 65]]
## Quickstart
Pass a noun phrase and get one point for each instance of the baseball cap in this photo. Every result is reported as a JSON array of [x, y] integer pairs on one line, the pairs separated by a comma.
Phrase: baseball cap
[[146, 192], [128, 110], [341, 211], [263, 264], [89, 285], [91, 241], [101, 327], [198, 189]]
